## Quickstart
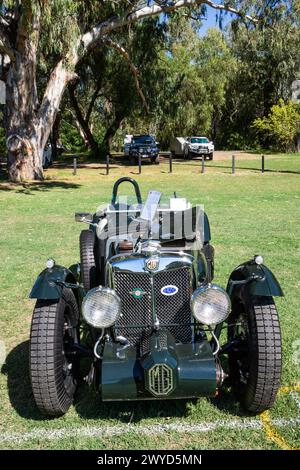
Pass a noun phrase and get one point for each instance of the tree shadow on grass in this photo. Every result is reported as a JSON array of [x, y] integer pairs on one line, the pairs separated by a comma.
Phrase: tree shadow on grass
[[29, 189], [237, 168], [88, 404]]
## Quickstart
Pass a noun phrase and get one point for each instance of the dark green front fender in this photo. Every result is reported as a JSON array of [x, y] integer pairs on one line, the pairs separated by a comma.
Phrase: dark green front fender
[[257, 279], [50, 282]]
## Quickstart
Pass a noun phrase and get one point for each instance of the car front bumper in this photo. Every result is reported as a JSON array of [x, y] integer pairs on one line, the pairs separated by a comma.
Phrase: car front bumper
[[201, 151], [144, 155], [175, 371]]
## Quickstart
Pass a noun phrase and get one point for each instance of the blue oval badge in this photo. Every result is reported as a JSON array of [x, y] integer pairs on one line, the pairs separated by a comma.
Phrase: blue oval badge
[[169, 290]]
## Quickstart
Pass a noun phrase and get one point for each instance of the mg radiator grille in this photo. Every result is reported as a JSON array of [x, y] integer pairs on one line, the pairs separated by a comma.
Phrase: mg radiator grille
[[139, 299], [135, 311]]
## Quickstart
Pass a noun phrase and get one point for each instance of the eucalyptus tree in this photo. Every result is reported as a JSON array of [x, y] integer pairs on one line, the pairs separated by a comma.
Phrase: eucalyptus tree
[[84, 94], [68, 30], [115, 80], [192, 79], [267, 63]]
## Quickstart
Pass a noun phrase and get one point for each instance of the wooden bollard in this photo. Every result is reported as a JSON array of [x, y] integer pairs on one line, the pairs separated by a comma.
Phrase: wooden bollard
[[262, 163], [233, 164], [202, 166], [74, 166], [107, 164], [171, 163], [140, 164]]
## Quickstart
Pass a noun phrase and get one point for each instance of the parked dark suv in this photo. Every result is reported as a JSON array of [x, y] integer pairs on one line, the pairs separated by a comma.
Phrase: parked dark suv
[[145, 146]]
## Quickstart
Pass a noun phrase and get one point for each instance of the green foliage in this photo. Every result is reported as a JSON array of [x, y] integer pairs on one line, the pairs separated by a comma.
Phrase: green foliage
[[192, 82], [267, 62], [70, 137], [60, 27], [282, 125], [237, 141]]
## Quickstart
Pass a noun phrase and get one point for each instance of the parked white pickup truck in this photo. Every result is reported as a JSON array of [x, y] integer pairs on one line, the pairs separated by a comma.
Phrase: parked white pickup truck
[[192, 146]]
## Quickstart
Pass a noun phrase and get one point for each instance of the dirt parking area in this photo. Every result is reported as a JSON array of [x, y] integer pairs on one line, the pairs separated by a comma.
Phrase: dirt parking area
[[227, 154]]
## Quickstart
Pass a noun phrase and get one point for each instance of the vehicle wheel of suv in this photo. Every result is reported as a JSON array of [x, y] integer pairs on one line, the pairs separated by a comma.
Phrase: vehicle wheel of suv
[[88, 267], [255, 360], [53, 372], [131, 160], [211, 156], [155, 160]]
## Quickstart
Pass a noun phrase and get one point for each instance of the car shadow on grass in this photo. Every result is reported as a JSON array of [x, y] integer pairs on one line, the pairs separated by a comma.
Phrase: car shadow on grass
[[16, 369], [88, 404]]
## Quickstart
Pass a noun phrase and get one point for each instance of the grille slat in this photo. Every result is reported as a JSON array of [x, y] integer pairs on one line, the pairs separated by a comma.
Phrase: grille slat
[[169, 309]]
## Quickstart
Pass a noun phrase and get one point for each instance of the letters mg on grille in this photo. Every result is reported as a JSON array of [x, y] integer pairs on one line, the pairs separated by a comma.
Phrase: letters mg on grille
[[160, 380]]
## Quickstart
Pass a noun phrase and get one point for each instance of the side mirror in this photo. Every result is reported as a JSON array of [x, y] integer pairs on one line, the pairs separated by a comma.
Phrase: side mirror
[[84, 217]]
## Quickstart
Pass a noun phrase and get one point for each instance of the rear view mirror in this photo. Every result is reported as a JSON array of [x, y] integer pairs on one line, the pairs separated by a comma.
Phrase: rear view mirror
[[84, 217]]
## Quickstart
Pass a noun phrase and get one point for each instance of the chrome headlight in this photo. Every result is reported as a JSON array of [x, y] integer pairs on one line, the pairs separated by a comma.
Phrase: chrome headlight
[[210, 304], [101, 307]]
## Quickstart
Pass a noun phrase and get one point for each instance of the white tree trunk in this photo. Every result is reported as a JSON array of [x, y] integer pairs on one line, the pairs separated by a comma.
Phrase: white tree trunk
[[29, 125], [21, 105]]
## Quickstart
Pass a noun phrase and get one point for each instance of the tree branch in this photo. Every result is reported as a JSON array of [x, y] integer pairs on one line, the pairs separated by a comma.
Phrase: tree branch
[[93, 99], [82, 120], [134, 70], [57, 83], [106, 27]]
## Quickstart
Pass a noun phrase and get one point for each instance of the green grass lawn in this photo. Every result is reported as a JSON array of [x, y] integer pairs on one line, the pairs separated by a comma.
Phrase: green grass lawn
[[249, 213]]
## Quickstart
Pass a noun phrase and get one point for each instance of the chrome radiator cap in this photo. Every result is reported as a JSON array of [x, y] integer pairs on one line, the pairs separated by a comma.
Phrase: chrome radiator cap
[[150, 247]]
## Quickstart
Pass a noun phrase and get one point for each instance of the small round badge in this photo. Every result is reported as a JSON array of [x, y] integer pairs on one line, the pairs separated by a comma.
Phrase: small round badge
[[152, 264]]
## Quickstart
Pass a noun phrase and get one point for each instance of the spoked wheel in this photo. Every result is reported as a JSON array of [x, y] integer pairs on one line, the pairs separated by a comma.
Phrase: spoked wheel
[[255, 359], [53, 366]]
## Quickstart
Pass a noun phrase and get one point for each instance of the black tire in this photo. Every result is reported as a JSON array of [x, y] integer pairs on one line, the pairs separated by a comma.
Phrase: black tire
[[53, 373], [211, 156], [155, 160], [132, 160], [88, 267], [255, 363]]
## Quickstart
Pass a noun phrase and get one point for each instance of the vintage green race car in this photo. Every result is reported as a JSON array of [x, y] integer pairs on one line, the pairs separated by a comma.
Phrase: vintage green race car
[[143, 309]]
